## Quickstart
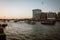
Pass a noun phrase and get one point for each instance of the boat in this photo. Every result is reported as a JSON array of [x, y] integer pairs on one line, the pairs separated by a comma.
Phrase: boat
[[3, 25], [48, 22], [33, 22]]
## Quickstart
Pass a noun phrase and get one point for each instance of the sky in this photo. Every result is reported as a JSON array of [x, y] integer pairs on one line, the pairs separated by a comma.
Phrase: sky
[[23, 8]]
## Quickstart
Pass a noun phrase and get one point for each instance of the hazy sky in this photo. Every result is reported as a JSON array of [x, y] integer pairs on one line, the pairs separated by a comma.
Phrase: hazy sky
[[23, 8]]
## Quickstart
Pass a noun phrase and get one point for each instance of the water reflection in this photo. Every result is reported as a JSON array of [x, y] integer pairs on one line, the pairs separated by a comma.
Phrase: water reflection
[[24, 31], [47, 32]]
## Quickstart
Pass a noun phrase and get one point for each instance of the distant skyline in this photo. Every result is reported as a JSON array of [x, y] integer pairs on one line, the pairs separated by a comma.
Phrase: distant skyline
[[23, 8]]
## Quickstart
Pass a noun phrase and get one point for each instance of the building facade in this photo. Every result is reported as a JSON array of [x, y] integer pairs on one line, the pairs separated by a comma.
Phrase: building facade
[[43, 16], [39, 15], [58, 16], [51, 15], [36, 12]]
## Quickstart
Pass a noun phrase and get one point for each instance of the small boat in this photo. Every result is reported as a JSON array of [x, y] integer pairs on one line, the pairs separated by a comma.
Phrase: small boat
[[33, 22], [4, 25], [48, 22]]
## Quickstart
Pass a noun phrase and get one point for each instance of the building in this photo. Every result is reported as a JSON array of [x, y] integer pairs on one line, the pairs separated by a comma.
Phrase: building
[[58, 16], [43, 16], [36, 17], [35, 12], [39, 15], [51, 15]]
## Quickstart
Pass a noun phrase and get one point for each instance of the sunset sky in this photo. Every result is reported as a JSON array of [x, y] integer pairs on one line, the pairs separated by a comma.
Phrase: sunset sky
[[23, 8]]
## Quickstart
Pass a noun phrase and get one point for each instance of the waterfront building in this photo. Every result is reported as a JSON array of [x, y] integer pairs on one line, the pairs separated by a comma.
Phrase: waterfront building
[[58, 16], [36, 17], [43, 15], [36, 12], [51, 15], [39, 15]]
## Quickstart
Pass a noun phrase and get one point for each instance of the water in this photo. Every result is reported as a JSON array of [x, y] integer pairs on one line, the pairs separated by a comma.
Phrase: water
[[24, 31]]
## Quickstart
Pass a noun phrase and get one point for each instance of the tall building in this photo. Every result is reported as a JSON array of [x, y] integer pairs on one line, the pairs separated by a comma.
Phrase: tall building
[[36, 11]]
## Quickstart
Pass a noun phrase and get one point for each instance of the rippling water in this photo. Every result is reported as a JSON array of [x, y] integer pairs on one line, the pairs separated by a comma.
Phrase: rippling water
[[24, 31]]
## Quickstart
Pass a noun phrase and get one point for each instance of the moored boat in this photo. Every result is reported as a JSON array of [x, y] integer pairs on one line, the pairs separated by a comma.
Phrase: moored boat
[[3, 25], [48, 22], [33, 22]]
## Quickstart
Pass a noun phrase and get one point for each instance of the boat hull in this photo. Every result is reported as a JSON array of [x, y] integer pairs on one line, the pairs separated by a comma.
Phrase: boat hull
[[48, 22]]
